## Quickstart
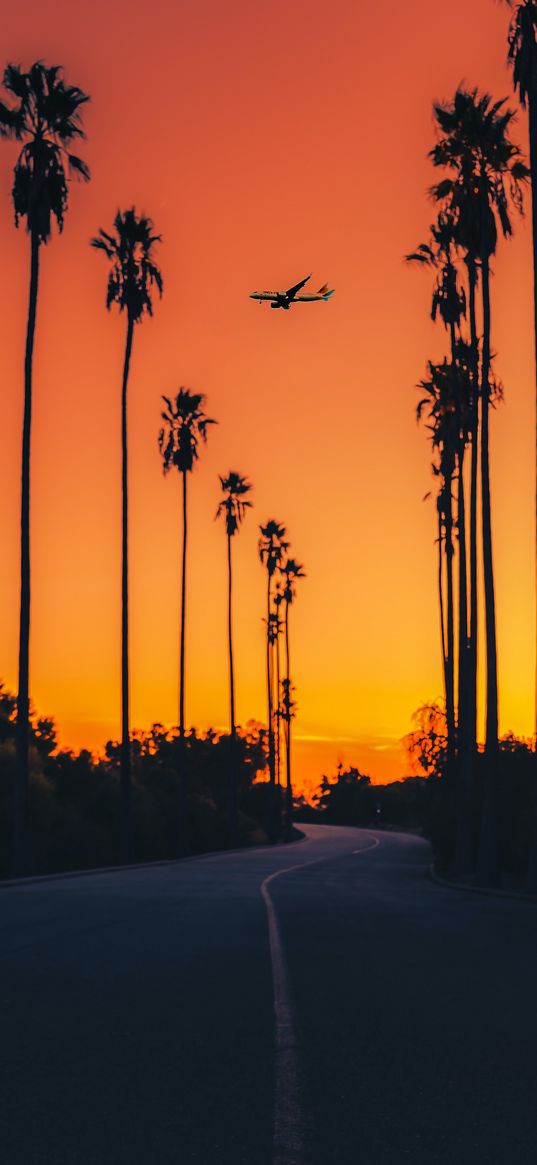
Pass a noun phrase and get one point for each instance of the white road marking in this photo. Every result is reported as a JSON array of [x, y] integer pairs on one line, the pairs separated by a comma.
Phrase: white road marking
[[288, 1138], [376, 842]]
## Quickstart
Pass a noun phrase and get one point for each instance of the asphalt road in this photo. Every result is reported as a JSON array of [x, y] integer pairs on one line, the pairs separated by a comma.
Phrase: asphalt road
[[138, 1023]]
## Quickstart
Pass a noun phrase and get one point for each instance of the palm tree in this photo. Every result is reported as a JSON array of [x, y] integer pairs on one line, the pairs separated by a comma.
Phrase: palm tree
[[46, 118], [276, 634], [449, 302], [233, 509], [486, 180], [131, 282], [291, 571], [185, 428], [439, 406], [272, 547], [523, 57]]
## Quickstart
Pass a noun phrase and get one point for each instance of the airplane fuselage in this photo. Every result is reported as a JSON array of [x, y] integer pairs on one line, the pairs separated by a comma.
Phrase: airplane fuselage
[[284, 299]]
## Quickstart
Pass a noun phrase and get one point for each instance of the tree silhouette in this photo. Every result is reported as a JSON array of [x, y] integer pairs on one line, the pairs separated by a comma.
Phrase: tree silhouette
[[439, 406], [46, 118], [276, 635], [449, 303], [291, 571], [272, 547], [523, 57], [131, 282], [185, 428], [487, 173], [232, 509]]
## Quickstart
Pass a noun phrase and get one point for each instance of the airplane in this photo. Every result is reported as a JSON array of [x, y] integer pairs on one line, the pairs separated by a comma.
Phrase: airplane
[[284, 299]]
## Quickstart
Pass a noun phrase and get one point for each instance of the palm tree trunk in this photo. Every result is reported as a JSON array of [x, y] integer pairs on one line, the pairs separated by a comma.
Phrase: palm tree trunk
[[532, 111], [233, 732], [278, 710], [183, 830], [288, 781], [450, 656], [125, 763], [466, 750], [441, 603], [21, 833], [183, 615], [463, 603], [489, 840], [474, 477], [272, 795]]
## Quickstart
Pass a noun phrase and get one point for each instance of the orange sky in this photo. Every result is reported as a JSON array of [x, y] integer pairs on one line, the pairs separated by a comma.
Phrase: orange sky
[[266, 141]]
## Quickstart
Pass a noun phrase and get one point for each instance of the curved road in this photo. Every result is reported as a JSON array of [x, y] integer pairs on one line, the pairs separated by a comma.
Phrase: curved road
[[139, 1024]]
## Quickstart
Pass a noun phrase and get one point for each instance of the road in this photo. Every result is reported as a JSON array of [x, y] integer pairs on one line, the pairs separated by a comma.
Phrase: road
[[138, 1023]]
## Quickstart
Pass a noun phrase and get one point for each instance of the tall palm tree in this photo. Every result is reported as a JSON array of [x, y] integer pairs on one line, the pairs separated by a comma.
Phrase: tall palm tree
[[185, 428], [291, 571], [523, 57], [233, 509], [272, 548], [46, 118], [439, 406], [487, 173], [449, 302], [132, 279], [277, 629]]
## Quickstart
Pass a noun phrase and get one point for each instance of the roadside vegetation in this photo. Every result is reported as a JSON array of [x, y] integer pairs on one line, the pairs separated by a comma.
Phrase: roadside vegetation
[[173, 791], [42, 116]]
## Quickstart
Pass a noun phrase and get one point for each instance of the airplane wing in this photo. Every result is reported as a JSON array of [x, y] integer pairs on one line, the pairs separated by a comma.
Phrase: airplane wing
[[293, 290]]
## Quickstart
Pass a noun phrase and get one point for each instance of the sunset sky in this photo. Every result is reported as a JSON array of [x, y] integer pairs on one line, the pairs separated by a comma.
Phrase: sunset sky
[[266, 140]]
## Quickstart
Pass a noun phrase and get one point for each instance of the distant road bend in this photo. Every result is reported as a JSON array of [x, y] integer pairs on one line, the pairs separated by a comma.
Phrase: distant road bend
[[317, 1004]]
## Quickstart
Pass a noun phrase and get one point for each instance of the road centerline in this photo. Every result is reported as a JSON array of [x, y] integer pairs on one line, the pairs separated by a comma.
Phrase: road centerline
[[288, 1139]]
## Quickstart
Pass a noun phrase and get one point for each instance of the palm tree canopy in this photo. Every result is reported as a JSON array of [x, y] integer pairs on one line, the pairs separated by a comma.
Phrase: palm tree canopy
[[185, 426], [449, 299], [234, 504], [488, 169], [447, 407], [291, 571], [523, 46], [275, 627], [46, 119], [272, 545], [133, 271]]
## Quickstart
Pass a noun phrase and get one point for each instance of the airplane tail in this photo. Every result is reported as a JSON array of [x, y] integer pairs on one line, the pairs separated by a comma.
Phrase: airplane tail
[[325, 291], [327, 294]]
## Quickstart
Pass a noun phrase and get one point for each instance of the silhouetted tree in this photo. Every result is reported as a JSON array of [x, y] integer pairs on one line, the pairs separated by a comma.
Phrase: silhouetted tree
[[523, 57], [291, 571], [46, 118], [272, 549], [449, 302], [277, 630], [131, 282], [348, 799], [440, 408], [185, 427], [487, 174], [233, 509]]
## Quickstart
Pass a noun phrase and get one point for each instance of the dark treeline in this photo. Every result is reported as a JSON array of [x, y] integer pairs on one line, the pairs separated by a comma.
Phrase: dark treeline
[[481, 175], [43, 116], [75, 798], [422, 802]]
